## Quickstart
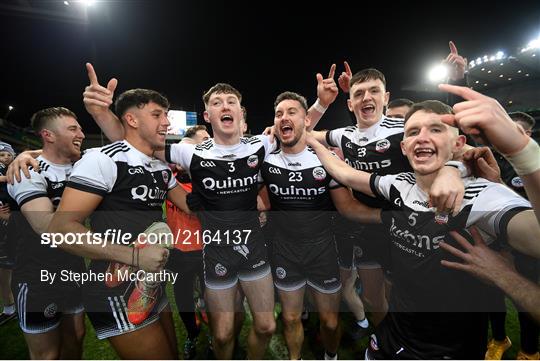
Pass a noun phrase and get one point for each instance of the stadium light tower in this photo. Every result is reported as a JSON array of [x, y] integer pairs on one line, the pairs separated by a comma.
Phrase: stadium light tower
[[438, 73], [10, 108]]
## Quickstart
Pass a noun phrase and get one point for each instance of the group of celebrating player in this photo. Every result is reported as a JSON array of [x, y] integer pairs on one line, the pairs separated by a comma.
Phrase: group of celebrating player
[[416, 202]]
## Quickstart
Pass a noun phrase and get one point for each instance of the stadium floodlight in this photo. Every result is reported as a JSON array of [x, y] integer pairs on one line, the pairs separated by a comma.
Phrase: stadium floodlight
[[88, 2], [472, 64], [499, 55], [10, 107], [478, 61], [485, 58], [438, 73], [66, 3]]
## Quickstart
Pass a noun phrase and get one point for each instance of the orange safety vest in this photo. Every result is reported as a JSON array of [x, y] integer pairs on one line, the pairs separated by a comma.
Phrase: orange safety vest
[[185, 227]]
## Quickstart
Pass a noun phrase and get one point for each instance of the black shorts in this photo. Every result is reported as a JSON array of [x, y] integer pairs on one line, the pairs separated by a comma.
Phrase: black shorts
[[315, 264], [371, 247], [40, 306], [8, 243], [225, 265]]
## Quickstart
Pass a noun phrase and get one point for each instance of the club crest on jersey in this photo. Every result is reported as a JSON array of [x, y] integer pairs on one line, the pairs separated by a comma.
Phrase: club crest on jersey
[[441, 218], [220, 270], [252, 161], [382, 145], [280, 273], [50, 310], [517, 182], [319, 173], [165, 176]]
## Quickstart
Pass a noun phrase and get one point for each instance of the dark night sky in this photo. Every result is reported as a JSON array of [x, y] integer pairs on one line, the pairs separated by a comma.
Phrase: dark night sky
[[181, 48]]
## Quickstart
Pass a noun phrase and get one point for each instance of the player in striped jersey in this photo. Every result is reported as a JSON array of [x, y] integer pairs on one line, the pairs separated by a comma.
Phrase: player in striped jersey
[[433, 303]]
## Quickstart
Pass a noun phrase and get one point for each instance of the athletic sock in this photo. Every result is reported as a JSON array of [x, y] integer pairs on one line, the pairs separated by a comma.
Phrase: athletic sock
[[330, 355], [363, 323], [9, 309]]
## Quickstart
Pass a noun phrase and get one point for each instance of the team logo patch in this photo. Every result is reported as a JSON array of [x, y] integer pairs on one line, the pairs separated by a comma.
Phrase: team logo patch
[[319, 173], [50, 310], [358, 252], [517, 182], [252, 161], [280, 273], [220, 270], [165, 176], [441, 218], [382, 145]]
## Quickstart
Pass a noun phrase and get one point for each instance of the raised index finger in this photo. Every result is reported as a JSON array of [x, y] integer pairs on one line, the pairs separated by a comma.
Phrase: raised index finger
[[347, 68], [92, 74], [463, 91], [332, 71], [453, 48]]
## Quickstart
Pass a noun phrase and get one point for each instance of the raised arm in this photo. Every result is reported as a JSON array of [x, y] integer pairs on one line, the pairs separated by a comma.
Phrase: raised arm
[[327, 92], [483, 117], [339, 170], [97, 101]]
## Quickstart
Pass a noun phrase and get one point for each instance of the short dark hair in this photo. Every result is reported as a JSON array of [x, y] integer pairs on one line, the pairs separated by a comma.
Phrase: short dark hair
[[429, 106], [190, 133], [44, 118], [291, 96], [399, 103], [138, 98], [523, 117], [367, 74], [221, 88]]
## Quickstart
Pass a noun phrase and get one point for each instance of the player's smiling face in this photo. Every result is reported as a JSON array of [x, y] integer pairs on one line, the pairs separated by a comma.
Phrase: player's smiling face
[[428, 143], [290, 119], [224, 113], [68, 137], [367, 101], [153, 124]]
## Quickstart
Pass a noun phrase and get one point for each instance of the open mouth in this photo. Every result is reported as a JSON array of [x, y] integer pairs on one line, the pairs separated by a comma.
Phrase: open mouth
[[77, 144], [286, 130], [227, 119], [368, 109], [423, 153]]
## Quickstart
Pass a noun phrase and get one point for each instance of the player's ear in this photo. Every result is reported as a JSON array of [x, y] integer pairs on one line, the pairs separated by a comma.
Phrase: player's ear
[[206, 117], [130, 119], [402, 145], [349, 105], [307, 121]]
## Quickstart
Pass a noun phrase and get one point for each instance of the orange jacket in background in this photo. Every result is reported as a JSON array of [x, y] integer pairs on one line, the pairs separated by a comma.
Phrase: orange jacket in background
[[186, 228]]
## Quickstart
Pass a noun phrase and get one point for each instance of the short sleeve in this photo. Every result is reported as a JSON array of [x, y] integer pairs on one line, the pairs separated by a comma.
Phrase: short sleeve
[[28, 189], [95, 173], [180, 153], [333, 137]]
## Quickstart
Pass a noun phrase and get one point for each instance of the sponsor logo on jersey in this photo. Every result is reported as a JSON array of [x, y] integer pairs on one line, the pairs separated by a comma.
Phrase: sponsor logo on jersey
[[274, 170], [135, 170], [417, 241], [358, 252], [382, 145], [319, 173], [424, 204], [296, 191], [50, 310], [213, 184], [165, 175], [334, 279], [207, 164], [280, 273], [144, 193], [441, 218], [220, 270], [296, 164], [369, 166], [517, 182], [252, 161]]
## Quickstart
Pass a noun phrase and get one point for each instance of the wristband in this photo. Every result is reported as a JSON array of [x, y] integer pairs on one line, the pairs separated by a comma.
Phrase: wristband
[[527, 160], [318, 107], [463, 171]]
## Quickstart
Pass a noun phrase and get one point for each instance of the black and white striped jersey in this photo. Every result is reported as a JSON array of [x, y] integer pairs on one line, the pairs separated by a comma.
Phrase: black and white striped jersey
[[299, 192], [49, 183], [375, 150], [132, 184], [420, 282], [225, 178]]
